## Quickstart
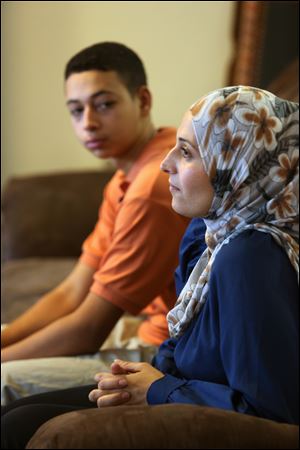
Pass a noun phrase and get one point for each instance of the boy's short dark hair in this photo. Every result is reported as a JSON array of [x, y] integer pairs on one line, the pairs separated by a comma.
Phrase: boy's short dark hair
[[107, 56]]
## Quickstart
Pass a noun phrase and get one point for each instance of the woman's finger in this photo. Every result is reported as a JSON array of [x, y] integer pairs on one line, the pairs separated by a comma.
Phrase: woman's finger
[[115, 399], [94, 395], [112, 383]]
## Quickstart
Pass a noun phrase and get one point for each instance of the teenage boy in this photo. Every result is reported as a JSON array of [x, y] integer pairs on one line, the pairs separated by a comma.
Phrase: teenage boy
[[128, 261]]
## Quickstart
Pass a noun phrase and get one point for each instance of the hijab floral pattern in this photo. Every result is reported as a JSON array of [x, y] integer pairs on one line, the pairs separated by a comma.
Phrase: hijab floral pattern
[[248, 140]]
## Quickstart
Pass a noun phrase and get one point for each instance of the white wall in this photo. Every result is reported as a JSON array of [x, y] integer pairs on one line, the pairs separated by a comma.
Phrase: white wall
[[186, 47]]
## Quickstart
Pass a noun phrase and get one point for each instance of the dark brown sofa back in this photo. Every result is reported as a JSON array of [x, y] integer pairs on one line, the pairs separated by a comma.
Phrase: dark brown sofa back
[[50, 215]]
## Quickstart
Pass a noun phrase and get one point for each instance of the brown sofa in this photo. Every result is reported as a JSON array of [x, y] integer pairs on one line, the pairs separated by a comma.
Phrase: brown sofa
[[44, 221], [171, 426]]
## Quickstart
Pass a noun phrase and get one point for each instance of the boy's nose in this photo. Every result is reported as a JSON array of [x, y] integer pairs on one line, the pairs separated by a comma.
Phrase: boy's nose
[[89, 119]]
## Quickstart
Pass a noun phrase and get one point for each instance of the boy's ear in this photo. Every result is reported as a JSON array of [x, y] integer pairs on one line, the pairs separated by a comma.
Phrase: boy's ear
[[145, 98]]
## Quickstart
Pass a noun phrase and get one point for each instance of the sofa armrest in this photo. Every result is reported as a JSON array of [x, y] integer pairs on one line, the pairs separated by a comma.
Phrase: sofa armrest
[[50, 215], [167, 426]]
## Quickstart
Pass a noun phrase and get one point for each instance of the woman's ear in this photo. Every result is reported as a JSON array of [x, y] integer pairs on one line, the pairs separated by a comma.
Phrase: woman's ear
[[145, 98]]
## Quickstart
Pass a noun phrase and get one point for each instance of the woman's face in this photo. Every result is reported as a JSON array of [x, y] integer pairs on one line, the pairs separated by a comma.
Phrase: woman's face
[[189, 183]]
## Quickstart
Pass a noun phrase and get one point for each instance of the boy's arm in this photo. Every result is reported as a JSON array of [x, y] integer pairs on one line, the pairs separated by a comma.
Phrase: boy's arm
[[82, 331], [62, 300]]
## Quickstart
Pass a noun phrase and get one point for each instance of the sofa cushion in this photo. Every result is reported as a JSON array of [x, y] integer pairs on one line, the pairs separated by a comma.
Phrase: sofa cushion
[[170, 426], [25, 280]]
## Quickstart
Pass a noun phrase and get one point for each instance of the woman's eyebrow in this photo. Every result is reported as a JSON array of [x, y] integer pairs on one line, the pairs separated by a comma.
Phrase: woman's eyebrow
[[181, 139]]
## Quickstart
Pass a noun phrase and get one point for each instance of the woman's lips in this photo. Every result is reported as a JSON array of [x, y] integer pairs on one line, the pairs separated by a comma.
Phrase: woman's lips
[[173, 188]]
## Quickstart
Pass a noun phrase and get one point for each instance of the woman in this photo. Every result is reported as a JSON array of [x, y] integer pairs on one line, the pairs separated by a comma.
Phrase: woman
[[234, 328]]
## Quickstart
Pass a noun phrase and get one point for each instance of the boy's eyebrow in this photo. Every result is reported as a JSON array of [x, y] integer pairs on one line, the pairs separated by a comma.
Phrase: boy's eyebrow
[[96, 94]]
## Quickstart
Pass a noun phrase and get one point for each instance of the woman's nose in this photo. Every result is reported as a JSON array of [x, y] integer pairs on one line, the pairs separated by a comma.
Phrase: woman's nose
[[166, 164]]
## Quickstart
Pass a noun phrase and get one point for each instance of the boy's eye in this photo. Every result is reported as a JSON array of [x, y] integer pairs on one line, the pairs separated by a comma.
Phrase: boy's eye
[[104, 105], [76, 112]]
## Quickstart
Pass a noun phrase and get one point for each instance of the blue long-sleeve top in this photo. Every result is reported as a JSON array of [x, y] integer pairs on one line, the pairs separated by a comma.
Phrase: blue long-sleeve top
[[241, 352], [191, 248]]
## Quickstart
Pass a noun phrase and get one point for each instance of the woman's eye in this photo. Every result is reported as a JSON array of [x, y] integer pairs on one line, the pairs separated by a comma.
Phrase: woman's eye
[[185, 153]]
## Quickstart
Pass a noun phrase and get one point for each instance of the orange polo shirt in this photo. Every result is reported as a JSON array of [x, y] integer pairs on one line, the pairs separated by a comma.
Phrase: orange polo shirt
[[134, 245]]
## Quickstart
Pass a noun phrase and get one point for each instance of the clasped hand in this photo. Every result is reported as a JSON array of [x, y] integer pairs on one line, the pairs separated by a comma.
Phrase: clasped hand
[[128, 382]]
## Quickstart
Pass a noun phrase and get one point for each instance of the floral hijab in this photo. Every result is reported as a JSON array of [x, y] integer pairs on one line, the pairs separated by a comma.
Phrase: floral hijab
[[248, 141]]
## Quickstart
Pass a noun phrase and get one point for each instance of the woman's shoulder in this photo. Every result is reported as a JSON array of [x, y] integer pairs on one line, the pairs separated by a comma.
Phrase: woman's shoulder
[[250, 250], [254, 266], [251, 240]]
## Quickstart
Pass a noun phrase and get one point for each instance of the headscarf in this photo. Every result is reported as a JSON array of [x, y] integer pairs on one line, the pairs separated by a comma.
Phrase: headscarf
[[248, 141]]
